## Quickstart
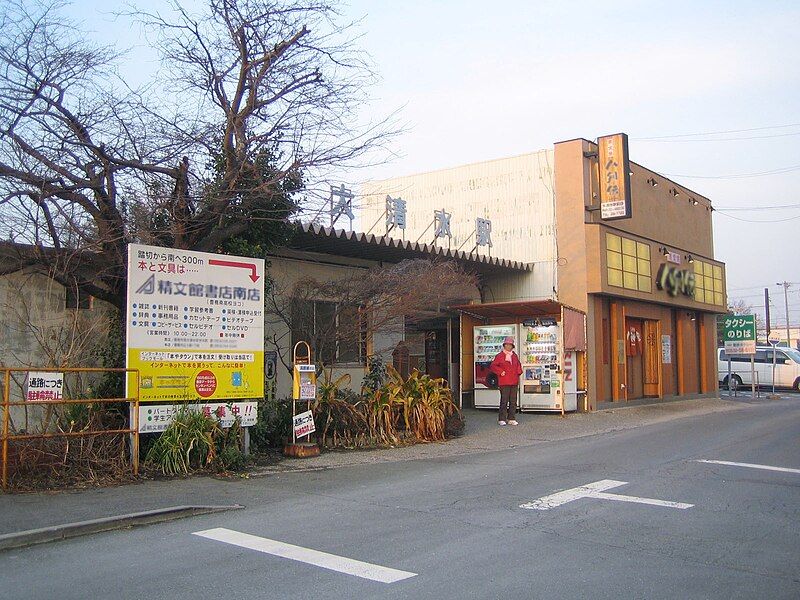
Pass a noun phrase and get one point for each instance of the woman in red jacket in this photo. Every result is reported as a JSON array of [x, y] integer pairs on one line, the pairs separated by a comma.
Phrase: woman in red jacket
[[507, 366]]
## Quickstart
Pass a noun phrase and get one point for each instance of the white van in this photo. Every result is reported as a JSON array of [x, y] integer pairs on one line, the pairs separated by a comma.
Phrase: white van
[[787, 368]]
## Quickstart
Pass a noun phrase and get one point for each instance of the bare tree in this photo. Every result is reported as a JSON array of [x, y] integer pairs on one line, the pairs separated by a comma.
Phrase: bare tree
[[256, 101], [356, 308]]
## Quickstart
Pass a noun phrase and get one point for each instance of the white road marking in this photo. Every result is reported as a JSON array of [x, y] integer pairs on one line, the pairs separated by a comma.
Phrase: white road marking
[[332, 562], [597, 490], [749, 466]]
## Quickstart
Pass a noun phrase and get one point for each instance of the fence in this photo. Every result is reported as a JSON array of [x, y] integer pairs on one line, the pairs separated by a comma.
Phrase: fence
[[57, 404]]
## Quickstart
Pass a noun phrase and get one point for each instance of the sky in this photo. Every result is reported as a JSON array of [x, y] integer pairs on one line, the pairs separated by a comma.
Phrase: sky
[[480, 80]]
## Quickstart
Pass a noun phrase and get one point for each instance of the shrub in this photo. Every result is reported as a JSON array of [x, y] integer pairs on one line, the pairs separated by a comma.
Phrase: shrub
[[274, 425], [186, 444]]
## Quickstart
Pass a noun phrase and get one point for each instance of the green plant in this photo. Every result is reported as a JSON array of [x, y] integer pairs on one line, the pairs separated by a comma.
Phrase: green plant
[[338, 414], [376, 375], [186, 444], [273, 426]]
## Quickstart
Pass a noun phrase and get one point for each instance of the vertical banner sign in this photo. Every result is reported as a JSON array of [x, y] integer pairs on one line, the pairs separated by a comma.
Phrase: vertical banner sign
[[739, 333], [615, 179], [195, 325]]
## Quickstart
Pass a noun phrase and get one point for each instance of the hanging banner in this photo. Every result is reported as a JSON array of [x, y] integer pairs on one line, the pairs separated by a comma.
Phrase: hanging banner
[[195, 324], [615, 178]]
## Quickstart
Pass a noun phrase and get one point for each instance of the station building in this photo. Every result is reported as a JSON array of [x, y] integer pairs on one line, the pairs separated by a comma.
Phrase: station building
[[646, 278]]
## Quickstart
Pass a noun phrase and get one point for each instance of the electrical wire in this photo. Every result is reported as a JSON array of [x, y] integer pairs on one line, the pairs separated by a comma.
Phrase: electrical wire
[[738, 175], [727, 139], [724, 214], [680, 135], [776, 207]]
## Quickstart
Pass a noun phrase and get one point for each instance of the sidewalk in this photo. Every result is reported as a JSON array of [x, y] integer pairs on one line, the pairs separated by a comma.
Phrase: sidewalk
[[21, 512]]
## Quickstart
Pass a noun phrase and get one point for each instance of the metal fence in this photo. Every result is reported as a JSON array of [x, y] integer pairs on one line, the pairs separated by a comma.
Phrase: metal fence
[[32, 419]]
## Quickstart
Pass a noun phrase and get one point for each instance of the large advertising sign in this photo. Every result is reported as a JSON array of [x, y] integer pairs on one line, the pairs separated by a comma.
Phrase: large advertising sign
[[615, 178], [195, 325]]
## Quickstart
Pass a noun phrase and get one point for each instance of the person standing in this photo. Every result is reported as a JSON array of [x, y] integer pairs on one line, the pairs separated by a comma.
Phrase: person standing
[[507, 366]]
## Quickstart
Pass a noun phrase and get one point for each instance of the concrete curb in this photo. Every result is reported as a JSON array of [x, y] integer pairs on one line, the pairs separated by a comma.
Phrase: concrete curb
[[55, 533]]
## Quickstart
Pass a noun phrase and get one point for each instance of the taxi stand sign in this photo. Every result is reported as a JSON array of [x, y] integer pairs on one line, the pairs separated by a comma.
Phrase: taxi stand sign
[[739, 334]]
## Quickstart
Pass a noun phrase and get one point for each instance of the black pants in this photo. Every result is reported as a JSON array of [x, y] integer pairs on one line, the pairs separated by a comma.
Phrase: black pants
[[508, 402]]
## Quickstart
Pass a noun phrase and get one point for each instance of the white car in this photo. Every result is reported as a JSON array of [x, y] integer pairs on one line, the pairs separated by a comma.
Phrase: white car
[[787, 368]]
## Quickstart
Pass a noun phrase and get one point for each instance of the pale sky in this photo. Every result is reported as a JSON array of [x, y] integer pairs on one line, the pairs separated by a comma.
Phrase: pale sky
[[484, 80]]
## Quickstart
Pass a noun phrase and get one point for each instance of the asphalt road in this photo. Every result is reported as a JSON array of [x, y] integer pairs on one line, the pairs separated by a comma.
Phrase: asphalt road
[[457, 525]]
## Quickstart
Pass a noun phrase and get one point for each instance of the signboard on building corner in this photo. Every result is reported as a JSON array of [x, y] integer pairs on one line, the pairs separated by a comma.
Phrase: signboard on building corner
[[615, 178], [195, 325]]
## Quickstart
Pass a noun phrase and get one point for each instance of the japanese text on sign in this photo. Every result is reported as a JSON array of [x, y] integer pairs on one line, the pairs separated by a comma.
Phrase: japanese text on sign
[[154, 418], [739, 334], [303, 424], [44, 387], [615, 188]]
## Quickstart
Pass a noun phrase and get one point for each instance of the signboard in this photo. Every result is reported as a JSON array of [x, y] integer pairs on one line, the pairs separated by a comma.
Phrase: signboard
[[154, 418], [195, 325], [305, 382], [43, 386], [615, 178], [676, 281], [303, 424], [666, 349], [739, 334], [774, 341]]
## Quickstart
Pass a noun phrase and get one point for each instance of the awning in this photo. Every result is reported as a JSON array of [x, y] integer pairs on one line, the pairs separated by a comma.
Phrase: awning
[[517, 310]]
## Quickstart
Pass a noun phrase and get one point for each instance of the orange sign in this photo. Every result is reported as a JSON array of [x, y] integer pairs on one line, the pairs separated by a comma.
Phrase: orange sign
[[615, 179]]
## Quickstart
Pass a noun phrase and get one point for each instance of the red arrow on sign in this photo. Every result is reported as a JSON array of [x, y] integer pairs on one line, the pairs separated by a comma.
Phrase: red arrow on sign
[[240, 265]]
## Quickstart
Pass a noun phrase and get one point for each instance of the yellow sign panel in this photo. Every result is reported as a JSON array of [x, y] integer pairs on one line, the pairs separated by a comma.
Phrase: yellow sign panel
[[195, 325], [615, 180]]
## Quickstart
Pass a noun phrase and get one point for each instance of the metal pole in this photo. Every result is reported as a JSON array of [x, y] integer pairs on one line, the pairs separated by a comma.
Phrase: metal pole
[[730, 379], [786, 306], [6, 398], [753, 374], [774, 354]]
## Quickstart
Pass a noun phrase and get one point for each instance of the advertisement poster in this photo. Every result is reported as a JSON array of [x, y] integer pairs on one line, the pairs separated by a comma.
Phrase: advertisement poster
[[154, 418], [195, 325]]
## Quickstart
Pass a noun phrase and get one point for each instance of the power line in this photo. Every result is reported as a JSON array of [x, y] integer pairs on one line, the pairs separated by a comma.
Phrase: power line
[[728, 139], [774, 207], [738, 175], [679, 135], [724, 214]]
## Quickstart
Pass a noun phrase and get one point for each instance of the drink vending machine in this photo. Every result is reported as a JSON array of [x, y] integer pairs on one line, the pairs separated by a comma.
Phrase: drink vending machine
[[548, 373]]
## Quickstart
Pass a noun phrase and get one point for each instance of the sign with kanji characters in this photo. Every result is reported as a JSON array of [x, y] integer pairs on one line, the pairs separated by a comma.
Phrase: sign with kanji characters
[[303, 424], [154, 418], [615, 178], [44, 386], [739, 333], [304, 385], [195, 324]]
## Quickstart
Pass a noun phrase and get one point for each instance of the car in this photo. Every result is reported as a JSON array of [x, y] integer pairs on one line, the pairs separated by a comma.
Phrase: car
[[787, 368]]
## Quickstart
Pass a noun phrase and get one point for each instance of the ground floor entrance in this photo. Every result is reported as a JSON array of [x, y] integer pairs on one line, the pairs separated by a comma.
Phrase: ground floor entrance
[[647, 350]]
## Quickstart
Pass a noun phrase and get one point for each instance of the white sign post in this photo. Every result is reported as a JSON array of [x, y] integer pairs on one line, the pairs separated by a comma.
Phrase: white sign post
[[774, 341]]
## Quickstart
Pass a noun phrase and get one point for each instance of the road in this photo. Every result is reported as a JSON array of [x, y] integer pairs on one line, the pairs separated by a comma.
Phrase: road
[[454, 527]]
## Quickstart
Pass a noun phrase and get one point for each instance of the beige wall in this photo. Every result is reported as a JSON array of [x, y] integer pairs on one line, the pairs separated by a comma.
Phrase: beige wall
[[515, 193]]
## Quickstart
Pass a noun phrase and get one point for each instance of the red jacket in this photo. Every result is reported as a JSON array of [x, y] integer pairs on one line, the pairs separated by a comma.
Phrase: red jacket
[[512, 370]]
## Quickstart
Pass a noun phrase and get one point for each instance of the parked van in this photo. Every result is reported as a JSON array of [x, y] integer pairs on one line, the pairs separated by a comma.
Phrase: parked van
[[787, 368]]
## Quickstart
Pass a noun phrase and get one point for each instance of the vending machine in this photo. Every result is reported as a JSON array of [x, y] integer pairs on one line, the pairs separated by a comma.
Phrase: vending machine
[[488, 342], [548, 373]]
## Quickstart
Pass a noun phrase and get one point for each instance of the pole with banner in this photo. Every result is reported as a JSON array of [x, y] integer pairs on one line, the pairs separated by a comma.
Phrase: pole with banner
[[773, 341], [304, 388]]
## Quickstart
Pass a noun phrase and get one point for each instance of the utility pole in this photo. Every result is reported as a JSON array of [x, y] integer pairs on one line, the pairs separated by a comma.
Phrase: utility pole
[[766, 311], [786, 285]]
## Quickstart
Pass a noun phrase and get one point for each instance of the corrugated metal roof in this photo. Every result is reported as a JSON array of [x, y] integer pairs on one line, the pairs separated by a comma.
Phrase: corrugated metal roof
[[328, 240]]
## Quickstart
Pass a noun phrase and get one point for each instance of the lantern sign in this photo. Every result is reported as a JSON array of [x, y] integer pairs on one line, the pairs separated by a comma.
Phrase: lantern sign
[[483, 232], [441, 223], [395, 213], [343, 205], [615, 179]]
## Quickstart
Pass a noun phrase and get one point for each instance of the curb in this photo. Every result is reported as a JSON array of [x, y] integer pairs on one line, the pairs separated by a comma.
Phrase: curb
[[56, 533]]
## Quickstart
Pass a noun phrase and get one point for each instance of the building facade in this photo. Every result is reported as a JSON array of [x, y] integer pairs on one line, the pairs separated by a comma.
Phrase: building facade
[[648, 283]]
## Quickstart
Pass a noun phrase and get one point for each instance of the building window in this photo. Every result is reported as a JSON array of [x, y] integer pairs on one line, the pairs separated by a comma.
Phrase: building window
[[628, 263], [336, 332], [708, 283]]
